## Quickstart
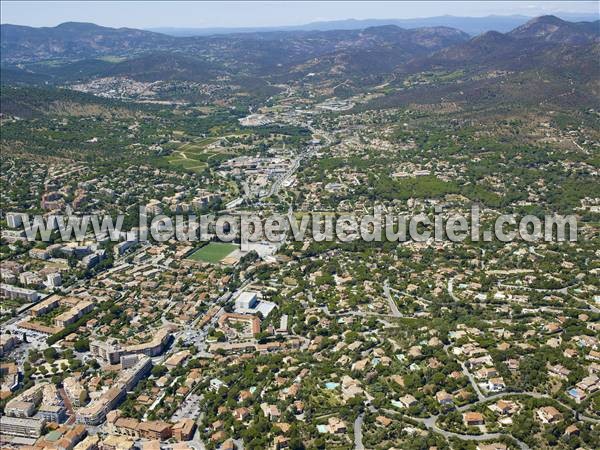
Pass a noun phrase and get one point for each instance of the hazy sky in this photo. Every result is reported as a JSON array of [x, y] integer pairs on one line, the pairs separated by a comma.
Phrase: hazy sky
[[148, 14]]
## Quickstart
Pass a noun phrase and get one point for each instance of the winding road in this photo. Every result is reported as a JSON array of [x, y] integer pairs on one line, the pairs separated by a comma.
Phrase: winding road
[[431, 422]]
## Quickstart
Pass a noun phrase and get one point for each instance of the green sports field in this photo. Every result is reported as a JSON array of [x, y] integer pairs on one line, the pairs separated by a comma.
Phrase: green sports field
[[213, 252]]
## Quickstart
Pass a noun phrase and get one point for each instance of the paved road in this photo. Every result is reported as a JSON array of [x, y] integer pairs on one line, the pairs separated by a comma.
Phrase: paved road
[[277, 184], [563, 290], [451, 290], [480, 396], [68, 405], [394, 311], [358, 444], [582, 417], [431, 422]]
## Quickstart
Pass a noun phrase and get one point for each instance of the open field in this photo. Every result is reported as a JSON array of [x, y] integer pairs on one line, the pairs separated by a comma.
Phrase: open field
[[213, 252], [193, 155]]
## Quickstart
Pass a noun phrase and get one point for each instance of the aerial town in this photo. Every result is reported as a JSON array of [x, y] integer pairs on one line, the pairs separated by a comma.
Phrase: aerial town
[[118, 343]]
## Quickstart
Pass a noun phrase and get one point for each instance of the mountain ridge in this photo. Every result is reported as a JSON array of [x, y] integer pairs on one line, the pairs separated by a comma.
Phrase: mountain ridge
[[82, 51], [470, 25], [553, 29], [80, 40]]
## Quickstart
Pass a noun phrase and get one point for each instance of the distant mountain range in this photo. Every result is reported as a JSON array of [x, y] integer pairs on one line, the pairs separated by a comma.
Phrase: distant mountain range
[[75, 41], [470, 25], [79, 51]]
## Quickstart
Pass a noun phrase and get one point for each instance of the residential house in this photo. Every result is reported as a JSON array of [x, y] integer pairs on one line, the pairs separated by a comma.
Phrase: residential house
[[473, 418], [443, 398], [336, 425], [548, 414], [407, 401], [495, 384]]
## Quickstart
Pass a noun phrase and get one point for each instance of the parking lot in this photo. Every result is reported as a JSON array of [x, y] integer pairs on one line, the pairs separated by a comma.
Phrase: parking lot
[[190, 408], [35, 340]]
